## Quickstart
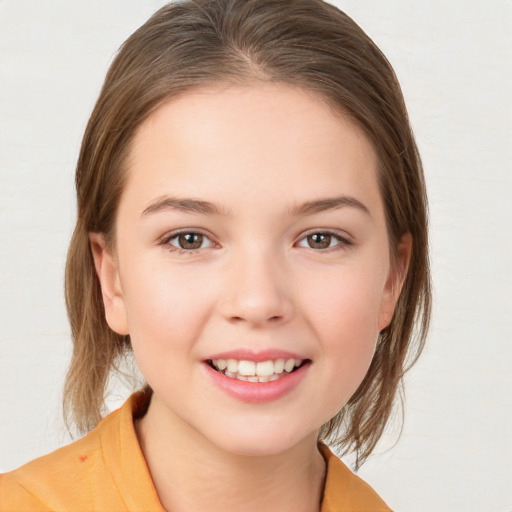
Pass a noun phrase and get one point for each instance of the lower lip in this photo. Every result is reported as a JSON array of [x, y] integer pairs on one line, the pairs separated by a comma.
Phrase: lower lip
[[258, 392]]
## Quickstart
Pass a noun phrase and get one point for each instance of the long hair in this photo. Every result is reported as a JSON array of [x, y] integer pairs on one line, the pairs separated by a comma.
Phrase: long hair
[[306, 43]]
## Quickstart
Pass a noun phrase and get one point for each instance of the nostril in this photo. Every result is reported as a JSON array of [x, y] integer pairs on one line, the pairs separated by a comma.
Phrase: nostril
[[272, 319]]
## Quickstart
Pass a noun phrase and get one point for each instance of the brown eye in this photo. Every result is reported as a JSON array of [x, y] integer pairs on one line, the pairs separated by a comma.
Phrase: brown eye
[[188, 241], [322, 240], [319, 240]]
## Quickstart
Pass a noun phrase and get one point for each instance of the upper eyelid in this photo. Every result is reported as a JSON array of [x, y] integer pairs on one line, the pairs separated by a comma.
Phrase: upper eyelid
[[173, 234], [343, 235], [166, 241]]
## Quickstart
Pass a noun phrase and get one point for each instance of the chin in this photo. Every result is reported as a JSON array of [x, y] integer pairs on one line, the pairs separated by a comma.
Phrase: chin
[[263, 442]]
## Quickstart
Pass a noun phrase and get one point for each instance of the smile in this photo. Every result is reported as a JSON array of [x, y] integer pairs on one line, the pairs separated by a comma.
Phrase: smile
[[252, 371]]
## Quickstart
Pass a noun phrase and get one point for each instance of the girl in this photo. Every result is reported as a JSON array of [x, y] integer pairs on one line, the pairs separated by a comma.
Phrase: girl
[[252, 226]]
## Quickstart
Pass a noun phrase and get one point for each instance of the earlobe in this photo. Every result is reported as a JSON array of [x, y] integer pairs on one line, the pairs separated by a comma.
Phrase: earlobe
[[107, 271], [395, 281]]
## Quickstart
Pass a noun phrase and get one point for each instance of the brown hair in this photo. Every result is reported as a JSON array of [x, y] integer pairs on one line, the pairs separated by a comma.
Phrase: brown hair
[[307, 43]]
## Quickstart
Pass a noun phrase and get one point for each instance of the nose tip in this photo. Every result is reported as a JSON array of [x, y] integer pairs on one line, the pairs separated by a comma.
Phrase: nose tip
[[258, 305], [257, 295]]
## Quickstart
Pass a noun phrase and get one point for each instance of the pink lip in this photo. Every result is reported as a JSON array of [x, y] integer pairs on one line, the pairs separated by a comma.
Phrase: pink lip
[[258, 392], [249, 355]]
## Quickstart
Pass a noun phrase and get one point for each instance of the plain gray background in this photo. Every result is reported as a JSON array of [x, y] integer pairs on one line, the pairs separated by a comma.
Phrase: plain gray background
[[454, 60]]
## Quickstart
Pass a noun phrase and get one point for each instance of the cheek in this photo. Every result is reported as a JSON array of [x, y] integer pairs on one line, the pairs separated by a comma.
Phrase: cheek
[[165, 309], [344, 318], [346, 305], [350, 344]]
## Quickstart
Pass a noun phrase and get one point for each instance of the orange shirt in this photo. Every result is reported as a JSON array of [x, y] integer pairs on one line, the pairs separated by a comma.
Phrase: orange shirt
[[105, 471]]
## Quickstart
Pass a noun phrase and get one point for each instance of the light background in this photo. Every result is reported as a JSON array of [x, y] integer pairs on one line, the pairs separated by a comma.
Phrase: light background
[[454, 60]]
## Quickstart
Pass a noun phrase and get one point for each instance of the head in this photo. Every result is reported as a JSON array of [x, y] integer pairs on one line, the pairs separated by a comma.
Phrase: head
[[306, 44]]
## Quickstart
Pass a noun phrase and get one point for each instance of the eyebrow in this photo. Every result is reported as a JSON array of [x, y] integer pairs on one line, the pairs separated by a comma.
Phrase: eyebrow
[[328, 203], [190, 205], [187, 205]]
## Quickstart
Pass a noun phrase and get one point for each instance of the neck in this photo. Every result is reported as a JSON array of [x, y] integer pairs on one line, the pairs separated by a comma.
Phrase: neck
[[193, 475]]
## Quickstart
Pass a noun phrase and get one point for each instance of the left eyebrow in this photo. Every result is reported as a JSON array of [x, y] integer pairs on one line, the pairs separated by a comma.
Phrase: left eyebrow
[[328, 203]]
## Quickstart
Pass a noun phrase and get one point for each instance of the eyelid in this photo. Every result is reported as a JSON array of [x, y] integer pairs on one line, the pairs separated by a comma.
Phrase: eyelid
[[165, 240], [345, 240]]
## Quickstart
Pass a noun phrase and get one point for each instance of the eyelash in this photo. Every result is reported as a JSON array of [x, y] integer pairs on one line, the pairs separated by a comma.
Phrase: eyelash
[[166, 241], [343, 242]]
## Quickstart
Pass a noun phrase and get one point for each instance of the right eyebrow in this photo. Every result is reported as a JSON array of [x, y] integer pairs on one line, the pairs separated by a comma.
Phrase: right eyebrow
[[187, 205]]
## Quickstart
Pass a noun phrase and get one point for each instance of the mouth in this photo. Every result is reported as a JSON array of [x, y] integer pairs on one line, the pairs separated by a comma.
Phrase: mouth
[[260, 371]]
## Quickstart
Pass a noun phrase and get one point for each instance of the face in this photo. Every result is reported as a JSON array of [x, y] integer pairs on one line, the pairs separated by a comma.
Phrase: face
[[250, 236]]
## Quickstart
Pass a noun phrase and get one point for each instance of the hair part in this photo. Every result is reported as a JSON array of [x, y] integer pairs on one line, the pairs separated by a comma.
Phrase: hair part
[[196, 43]]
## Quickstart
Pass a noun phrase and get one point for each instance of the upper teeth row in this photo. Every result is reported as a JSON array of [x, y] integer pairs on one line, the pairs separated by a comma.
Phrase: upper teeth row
[[260, 369]]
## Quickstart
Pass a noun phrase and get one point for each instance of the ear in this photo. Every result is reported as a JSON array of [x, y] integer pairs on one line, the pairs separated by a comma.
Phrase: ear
[[397, 274], [107, 271]]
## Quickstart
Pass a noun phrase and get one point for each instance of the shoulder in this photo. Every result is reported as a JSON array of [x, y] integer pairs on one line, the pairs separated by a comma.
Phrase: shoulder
[[76, 477], [345, 491], [45, 483]]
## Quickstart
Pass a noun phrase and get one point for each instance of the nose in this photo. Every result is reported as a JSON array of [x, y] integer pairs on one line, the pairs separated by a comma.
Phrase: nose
[[257, 290]]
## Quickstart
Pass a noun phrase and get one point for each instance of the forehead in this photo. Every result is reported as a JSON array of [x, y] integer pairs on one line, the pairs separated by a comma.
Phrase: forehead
[[269, 140]]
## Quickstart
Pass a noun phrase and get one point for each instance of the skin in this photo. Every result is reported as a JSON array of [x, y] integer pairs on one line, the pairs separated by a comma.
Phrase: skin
[[256, 282]]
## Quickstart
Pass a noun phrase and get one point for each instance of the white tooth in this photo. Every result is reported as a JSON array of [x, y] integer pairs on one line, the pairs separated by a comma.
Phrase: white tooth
[[263, 379], [298, 362], [229, 374], [289, 365], [253, 378], [279, 366], [265, 368], [241, 377], [221, 364], [232, 365], [246, 367], [273, 377]]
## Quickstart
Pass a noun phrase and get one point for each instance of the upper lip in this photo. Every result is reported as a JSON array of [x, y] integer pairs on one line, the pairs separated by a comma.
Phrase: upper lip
[[256, 356]]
